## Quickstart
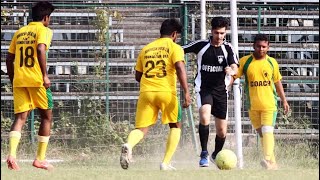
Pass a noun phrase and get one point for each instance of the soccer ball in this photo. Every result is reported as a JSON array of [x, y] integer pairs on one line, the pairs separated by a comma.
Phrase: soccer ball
[[226, 159]]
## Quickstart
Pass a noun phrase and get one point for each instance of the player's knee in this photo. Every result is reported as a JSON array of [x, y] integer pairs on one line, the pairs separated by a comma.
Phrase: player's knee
[[259, 131], [221, 132], [175, 125], [267, 129]]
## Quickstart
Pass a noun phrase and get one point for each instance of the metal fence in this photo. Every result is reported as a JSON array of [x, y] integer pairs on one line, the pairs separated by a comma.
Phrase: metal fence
[[293, 33], [94, 49]]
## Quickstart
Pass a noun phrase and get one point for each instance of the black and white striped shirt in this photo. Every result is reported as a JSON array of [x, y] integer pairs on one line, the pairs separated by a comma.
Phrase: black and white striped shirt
[[211, 62]]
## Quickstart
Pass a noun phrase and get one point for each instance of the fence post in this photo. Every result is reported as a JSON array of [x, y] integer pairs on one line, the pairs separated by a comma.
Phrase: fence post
[[31, 126], [236, 85]]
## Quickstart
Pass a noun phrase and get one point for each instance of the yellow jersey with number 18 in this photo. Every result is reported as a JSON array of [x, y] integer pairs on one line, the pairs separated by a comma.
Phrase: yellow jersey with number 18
[[27, 71], [157, 63]]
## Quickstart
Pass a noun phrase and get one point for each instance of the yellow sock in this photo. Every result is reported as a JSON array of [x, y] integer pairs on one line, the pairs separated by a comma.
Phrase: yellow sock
[[135, 137], [42, 147], [14, 139], [268, 145], [172, 144], [273, 158]]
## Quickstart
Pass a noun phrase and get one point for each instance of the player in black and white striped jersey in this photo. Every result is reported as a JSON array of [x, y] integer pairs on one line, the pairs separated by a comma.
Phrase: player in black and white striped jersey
[[217, 62]]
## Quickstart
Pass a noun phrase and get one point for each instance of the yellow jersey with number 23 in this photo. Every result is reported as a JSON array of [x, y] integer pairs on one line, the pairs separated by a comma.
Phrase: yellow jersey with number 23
[[27, 71], [157, 63]]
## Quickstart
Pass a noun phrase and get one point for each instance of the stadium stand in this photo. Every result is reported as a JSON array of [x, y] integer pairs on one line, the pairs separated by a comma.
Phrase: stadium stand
[[73, 60]]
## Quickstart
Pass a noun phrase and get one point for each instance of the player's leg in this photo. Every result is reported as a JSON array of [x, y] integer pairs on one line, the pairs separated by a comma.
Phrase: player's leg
[[221, 132], [22, 105], [136, 135], [267, 120], [255, 118], [43, 140], [219, 111], [171, 114], [171, 147], [146, 115], [14, 139], [261, 142], [204, 101], [42, 99]]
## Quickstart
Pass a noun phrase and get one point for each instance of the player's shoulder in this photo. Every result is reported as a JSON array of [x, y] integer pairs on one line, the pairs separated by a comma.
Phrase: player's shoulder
[[148, 46], [197, 43], [245, 58], [272, 59], [176, 46], [22, 29], [228, 45]]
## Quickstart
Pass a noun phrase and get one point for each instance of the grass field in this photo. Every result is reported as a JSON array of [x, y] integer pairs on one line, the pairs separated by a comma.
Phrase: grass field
[[296, 161], [106, 167], [149, 170]]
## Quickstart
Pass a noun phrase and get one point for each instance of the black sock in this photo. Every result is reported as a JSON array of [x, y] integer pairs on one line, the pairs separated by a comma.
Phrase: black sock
[[218, 146], [204, 135]]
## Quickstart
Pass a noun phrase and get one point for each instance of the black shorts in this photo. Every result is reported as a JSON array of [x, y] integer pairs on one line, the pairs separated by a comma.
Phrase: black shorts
[[217, 100]]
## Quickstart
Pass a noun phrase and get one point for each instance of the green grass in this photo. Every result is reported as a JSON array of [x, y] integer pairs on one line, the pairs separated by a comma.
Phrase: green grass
[[295, 160], [103, 166], [149, 170]]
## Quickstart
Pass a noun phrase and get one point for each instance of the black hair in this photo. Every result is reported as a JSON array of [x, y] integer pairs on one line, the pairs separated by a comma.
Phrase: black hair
[[219, 22], [41, 9], [261, 37], [169, 26]]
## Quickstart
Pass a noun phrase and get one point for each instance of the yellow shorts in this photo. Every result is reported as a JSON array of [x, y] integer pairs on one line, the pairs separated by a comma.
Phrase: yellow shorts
[[149, 104], [262, 118], [28, 98]]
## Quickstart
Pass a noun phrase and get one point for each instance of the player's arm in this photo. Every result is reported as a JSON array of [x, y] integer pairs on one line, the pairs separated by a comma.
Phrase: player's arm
[[193, 47], [11, 57], [9, 64], [138, 75], [41, 52], [232, 69], [279, 87], [182, 76], [282, 96], [139, 67], [233, 61]]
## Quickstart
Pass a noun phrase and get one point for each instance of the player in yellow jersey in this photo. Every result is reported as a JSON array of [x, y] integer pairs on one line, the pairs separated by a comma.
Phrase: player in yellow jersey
[[158, 65], [26, 65], [262, 87]]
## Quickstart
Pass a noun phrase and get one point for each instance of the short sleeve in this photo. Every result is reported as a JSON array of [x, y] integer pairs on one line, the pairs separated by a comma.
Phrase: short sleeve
[[277, 75], [45, 37], [232, 56], [177, 54]]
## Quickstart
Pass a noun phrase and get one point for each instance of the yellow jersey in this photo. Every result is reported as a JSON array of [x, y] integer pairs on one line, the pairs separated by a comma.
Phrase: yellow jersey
[[27, 71], [260, 76], [157, 63]]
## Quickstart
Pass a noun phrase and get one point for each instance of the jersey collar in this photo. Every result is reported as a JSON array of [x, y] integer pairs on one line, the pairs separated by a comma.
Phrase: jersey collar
[[35, 23]]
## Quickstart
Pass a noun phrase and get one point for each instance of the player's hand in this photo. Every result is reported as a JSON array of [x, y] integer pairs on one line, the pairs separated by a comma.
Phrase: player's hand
[[46, 82], [286, 107], [187, 100], [229, 71]]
